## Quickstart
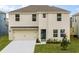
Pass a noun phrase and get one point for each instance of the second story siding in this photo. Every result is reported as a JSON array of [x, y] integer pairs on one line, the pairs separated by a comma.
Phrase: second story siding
[[25, 19], [44, 15], [58, 24], [49, 20]]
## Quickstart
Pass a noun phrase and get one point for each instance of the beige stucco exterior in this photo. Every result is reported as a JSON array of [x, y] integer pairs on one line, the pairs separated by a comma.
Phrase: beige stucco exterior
[[49, 23], [54, 24], [25, 20]]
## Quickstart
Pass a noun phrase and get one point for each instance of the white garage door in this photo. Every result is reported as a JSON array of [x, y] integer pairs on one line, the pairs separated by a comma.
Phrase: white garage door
[[25, 34]]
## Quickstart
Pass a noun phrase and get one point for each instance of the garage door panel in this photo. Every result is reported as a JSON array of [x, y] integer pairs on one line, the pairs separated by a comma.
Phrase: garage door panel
[[24, 35]]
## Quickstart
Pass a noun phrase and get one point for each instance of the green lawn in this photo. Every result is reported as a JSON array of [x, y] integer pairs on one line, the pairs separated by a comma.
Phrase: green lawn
[[4, 41], [55, 48]]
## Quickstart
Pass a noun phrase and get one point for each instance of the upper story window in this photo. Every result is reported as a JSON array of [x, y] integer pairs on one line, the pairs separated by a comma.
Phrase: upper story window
[[17, 17], [33, 17], [44, 15], [59, 16]]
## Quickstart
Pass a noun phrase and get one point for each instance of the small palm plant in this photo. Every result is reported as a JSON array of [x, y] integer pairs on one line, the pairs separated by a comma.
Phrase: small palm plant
[[64, 43], [37, 40]]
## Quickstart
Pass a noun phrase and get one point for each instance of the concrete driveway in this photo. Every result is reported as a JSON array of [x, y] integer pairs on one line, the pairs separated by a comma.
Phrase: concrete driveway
[[20, 46]]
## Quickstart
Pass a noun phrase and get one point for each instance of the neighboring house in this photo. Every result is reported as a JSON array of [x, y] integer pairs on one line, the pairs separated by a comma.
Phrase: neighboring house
[[41, 22], [71, 29], [75, 25], [3, 24]]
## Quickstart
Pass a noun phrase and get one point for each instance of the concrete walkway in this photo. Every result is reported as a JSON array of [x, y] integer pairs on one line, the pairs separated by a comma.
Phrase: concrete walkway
[[20, 46]]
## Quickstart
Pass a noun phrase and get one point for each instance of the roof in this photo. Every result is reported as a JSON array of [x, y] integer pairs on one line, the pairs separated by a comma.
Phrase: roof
[[39, 8], [76, 14]]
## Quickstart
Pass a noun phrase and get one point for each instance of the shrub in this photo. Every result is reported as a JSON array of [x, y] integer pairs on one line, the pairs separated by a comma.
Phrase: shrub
[[37, 40], [64, 43], [49, 41], [54, 41]]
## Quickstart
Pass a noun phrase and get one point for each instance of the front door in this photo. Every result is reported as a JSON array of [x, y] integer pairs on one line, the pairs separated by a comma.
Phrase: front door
[[43, 35]]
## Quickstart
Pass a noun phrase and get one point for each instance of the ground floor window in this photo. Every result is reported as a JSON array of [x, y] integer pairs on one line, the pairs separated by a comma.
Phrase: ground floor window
[[55, 33], [43, 34], [62, 32]]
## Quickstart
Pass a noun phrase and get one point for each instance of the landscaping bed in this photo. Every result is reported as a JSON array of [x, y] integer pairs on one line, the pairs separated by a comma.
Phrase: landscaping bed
[[56, 48]]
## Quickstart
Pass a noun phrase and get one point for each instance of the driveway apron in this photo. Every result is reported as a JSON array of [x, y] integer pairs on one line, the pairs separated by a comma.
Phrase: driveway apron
[[20, 46]]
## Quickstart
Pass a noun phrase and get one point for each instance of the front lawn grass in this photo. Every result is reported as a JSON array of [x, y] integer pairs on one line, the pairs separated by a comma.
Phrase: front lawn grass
[[4, 41], [55, 48]]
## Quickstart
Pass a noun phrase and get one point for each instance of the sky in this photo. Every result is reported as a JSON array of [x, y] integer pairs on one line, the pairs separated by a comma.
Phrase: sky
[[72, 8], [8, 8]]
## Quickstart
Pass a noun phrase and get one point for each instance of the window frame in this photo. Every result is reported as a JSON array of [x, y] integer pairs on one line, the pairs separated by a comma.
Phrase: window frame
[[59, 17], [17, 18], [55, 34], [62, 33], [44, 15], [34, 17]]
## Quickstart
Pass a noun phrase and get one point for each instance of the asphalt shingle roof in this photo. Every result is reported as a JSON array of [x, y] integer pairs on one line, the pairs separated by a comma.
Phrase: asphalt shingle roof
[[76, 14], [40, 8]]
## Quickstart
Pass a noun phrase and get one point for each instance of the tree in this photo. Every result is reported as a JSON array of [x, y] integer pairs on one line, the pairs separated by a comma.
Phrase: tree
[[64, 43]]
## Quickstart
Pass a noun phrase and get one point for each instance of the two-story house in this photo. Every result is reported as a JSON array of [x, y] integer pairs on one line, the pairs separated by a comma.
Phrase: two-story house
[[75, 25], [41, 22]]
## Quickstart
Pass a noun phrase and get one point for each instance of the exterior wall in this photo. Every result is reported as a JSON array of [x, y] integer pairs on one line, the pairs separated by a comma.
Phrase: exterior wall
[[25, 20], [49, 23], [74, 28], [10, 31], [42, 24], [78, 26], [54, 24], [23, 32]]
